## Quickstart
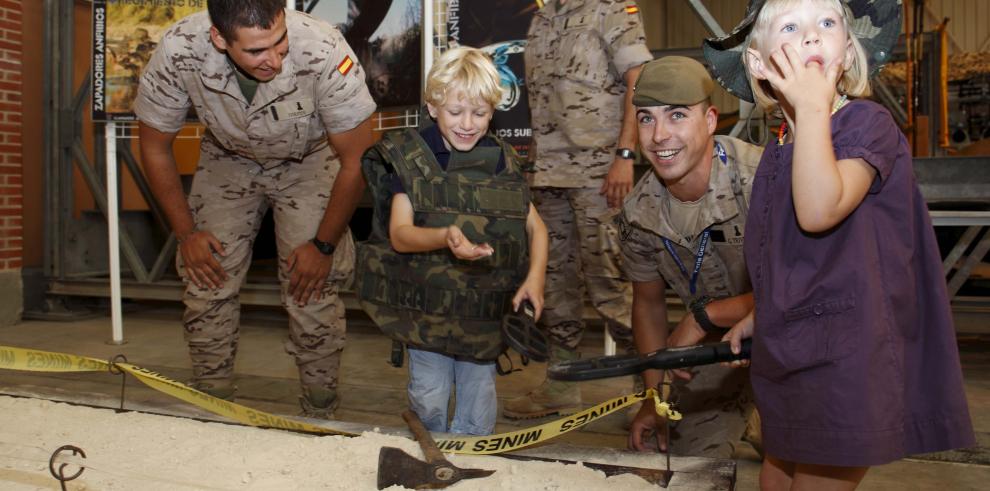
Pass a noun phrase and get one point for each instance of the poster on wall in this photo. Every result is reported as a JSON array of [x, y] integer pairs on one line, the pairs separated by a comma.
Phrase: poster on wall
[[499, 27], [385, 35], [125, 34]]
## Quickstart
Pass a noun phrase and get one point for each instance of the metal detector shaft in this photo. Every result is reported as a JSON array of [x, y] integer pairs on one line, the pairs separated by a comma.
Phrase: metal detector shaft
[[664, 359]]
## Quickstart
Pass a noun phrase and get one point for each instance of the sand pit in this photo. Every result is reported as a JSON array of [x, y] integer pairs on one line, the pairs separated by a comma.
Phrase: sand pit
[[150, 452]]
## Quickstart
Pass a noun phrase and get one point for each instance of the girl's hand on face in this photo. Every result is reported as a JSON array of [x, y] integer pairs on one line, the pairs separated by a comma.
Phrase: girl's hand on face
[[804, 86]]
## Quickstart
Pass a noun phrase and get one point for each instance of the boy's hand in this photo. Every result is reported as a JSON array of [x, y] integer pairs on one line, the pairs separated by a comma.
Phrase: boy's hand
[[464, 248], [532, 290]]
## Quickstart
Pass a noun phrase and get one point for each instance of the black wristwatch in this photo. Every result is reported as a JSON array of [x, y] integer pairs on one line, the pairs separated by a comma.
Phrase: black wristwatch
[[325, 248], [697, 308], [625, 153]]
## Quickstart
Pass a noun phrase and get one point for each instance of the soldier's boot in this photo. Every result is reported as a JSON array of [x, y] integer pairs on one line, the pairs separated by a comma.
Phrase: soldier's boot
[[221, 388], [318, 402], [551, 397], [754, 434]]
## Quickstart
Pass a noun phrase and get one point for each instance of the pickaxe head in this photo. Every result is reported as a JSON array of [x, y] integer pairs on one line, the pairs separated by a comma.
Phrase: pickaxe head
[[398, 467]]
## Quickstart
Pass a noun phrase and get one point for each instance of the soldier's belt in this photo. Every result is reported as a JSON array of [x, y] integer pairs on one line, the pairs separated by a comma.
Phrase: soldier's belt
[[47, 361]]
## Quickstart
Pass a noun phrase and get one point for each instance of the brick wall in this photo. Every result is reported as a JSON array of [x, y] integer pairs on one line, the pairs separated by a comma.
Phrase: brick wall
[[11, 188]]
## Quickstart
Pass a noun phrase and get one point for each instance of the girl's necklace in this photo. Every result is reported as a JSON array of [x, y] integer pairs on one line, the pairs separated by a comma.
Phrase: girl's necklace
[[782, 132]]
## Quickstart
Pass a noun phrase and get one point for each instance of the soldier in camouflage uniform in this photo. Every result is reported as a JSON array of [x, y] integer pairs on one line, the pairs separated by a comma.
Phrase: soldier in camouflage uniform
[[464, 244], [287, 118], [582, 57], [683, 224]]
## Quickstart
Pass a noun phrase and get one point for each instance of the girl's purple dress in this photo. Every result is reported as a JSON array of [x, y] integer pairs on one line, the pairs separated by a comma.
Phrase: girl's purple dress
[[855, 360]]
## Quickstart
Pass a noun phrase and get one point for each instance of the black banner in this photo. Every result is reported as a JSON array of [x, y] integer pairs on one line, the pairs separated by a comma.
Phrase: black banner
[[499, 28], [386, 37]]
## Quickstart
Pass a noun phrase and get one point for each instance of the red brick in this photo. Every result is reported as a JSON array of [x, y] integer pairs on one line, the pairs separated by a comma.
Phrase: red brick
[[9, 254], [13, 118], [13, 15], [12, 36], [12, 264], [13, 179]]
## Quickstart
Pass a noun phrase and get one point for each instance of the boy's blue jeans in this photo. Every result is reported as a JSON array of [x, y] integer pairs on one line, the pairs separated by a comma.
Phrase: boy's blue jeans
[[431, 377]]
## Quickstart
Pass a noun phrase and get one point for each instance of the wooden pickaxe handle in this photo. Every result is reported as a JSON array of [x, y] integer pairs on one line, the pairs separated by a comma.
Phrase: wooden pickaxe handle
[[426, 442]]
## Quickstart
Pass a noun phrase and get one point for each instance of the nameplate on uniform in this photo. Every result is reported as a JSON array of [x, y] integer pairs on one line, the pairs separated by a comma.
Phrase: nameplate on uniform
[[577, 22], [291, 109], [732, 237]]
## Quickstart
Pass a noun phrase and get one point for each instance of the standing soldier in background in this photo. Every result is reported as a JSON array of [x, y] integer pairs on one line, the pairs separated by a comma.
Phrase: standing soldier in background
[[582, 59], [287, 113]]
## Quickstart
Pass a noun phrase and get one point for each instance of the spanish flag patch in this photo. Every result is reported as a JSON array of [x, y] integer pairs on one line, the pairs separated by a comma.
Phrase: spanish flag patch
[[632, 9], [346, 65]]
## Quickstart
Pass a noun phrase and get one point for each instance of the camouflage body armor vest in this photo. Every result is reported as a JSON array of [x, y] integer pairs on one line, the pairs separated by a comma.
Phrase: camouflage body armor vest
[[432, 300]]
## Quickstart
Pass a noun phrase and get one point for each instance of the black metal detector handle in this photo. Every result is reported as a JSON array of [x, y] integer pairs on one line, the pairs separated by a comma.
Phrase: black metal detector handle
[[664, 359]]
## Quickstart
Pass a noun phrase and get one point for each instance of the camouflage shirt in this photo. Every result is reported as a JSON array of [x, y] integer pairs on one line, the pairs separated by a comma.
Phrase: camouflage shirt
[[644, 223], [576, 58], [320, 90]]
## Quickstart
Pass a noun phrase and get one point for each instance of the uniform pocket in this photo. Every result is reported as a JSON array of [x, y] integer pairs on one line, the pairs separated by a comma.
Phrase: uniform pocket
[[812, 335]]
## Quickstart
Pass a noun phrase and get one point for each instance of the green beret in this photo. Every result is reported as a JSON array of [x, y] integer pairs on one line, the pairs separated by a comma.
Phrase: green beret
[[672, 81]]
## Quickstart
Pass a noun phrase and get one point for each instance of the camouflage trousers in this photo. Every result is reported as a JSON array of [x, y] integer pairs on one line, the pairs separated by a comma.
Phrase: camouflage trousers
[[583, 257], [716, 405], [230, 195]]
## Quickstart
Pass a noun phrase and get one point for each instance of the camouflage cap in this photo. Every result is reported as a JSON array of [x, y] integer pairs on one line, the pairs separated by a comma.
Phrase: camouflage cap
[[672, 81], [876, 23]]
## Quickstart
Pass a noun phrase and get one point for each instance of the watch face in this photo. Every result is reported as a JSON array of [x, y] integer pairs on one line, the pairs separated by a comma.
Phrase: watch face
[[325, 248]]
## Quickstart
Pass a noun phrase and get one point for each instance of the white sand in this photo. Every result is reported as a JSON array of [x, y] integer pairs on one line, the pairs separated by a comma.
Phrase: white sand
[[148, 452]]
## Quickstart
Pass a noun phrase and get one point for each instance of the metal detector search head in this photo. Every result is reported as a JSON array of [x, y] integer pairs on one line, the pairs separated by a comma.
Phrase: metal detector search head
[[520, 332]]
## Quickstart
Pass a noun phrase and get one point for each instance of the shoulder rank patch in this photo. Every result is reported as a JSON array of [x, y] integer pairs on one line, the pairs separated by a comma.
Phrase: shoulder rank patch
[[540, 4], [632, 9], [346, 65]]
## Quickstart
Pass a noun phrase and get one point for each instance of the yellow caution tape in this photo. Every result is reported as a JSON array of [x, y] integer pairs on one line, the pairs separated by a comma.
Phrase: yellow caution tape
[[46, 361], [666, 410], [515, 440]]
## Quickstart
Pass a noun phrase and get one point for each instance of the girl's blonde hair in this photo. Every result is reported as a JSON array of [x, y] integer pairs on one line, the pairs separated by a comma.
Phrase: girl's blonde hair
[[854, 82], [465, 68]]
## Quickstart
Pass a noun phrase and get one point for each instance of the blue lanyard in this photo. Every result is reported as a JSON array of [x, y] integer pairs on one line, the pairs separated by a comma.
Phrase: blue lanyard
[[698, 258]]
